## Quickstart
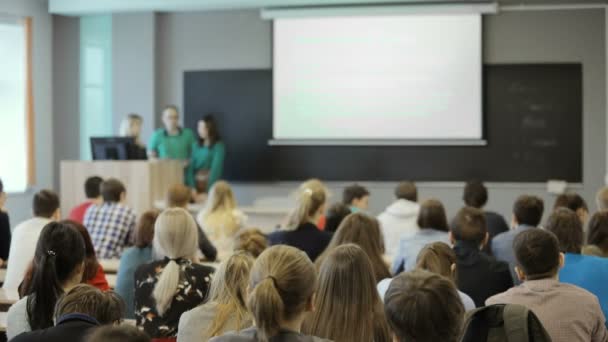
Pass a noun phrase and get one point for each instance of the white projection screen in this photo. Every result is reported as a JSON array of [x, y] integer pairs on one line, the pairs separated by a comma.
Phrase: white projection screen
[[402, 78]]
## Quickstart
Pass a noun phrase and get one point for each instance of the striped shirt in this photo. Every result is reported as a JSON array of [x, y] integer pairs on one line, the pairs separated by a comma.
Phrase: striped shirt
[[112, 227]]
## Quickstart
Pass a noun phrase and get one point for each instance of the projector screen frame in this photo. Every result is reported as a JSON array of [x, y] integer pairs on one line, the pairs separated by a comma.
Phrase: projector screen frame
[[377, 142]]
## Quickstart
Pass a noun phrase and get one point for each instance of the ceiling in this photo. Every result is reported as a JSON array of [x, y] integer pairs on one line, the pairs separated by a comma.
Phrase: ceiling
[[79, 7]]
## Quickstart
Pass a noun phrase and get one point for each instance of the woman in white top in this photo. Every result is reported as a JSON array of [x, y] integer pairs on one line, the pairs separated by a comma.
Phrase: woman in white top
[[220, 219]]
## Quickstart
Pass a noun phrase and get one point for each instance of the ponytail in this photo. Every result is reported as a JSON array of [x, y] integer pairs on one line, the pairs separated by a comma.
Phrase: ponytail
[[310, 197], [267, 307], [166, 287], [46, 290]]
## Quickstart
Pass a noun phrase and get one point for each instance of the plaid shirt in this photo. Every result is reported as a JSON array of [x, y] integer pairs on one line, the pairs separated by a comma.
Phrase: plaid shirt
[[112, 227]]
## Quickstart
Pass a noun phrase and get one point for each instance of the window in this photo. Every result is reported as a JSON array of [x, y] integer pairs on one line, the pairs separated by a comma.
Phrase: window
[[16, 109]]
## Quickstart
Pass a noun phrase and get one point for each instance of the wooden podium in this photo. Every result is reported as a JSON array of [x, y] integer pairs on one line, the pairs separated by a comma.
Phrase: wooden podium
[[146, 181]]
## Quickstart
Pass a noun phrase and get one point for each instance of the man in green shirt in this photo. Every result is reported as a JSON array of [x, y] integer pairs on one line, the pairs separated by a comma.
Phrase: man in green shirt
[[171, 142]]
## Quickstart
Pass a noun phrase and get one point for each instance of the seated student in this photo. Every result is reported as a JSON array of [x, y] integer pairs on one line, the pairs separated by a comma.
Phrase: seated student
[[364, 231], [601, 199], [281, 294], [476, 195], [5, 228], [172, 141], [479, 275], [356, 197], [597, 235], [347, 305], [167, 288], [120, 333], [225, 310], [567, 312], [111, 223], [58, 266], [433, 225], [220, 219], [400, 219], [92, 192], [439, 258], [178, 196], [25, 237], [301, 230], [134, 257], [251, 241], [588, 272], [527, 213], [78, 312], [335, 215], [575, 203], [411, 306]]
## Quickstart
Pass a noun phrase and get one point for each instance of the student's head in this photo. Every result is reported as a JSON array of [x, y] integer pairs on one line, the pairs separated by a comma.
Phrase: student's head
[[118, 333], [144, 232], [310, 203], [2, 195], [251, 241], [229, 291], [439, 258], [432, 215], [475, 194], [597, 233], [537, 254], [347, 304], [601, 199], [46, 204], [91, 265], [130, 126], [176, 236], [568, 229], [171, 118], [112, 190], [58, 264], [407, 191], [469, 226], [105, 307], [356, 196], [178, 196], [575, 203], [364, 231], [281, 289], [221, 198], [423, 306], [207, 130], [528, 210], [92, 187], [335, 215]]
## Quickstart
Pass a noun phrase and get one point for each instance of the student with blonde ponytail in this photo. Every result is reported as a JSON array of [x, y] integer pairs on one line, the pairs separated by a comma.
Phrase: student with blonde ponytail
[[301, 230], [347, 305], [281, 292], [226, 309], [167, 288]]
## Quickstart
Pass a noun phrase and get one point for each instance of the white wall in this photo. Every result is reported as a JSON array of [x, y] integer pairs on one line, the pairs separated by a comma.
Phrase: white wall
[[19, 205]]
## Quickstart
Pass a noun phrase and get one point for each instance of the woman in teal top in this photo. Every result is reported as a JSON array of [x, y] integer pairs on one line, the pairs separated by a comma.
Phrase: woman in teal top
[[207, 154]]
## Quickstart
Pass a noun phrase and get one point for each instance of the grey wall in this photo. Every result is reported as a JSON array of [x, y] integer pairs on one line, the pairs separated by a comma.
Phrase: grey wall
[[240, 39], [18, 205]]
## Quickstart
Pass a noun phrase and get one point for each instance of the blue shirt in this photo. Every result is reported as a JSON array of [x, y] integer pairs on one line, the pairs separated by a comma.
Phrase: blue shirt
[[409, 247], [502, 248], [588, 272], [131, 259]]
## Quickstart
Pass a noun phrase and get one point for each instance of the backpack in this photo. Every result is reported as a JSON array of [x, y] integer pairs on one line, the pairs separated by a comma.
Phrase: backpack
[[503, 323]]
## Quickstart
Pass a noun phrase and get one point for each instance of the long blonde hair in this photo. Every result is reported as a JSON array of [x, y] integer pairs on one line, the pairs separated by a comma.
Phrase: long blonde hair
[[229, 290], [348, 307], [283, 281], [125, 126], [310, 197], [175, 234], [219, 216]]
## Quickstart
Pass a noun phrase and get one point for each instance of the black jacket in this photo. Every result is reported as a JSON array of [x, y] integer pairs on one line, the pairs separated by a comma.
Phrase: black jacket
[[71, 327], [479, 275], [496, 224], [5, 235], [306, 237]]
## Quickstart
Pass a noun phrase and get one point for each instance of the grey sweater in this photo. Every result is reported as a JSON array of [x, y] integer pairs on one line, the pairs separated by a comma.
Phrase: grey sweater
[[193, 324]]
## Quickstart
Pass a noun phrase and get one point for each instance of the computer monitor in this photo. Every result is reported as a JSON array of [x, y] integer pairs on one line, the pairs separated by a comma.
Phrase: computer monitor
[[113, 148]]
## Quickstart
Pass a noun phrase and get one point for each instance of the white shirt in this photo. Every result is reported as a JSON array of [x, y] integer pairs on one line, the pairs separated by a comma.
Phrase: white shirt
[[17, 319], [399, 220], [23, 245]]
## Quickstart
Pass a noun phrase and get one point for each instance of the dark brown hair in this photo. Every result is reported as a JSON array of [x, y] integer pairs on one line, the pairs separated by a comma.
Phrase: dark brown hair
[[353, 192], [92, 187], [432, 215], [598, 230], [537, 253], [475, 194], [178, 195], [469, 225], [572, 201], [407, 191], [91, 265], [251, 240], [335, 215], [423, 306], [568, 229], [105, 307], [144, 232], [111, 189], [212, 130], [437, 257], [528, 210], [45, 203]]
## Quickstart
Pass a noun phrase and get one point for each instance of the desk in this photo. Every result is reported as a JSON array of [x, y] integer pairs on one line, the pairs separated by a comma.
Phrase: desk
[[7, 298]]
